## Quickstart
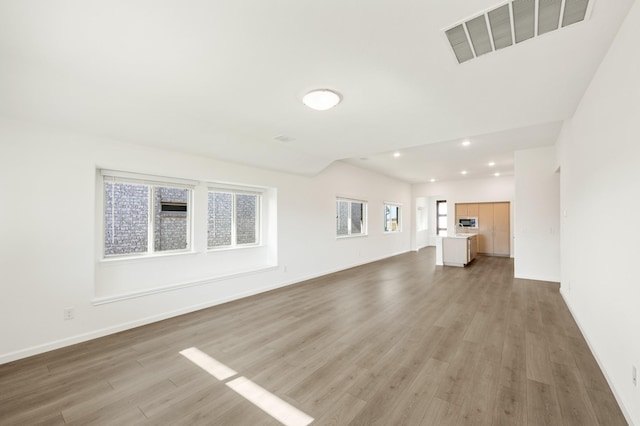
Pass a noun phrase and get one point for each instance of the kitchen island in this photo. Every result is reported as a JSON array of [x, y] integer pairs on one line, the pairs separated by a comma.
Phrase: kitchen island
[[456, 249]]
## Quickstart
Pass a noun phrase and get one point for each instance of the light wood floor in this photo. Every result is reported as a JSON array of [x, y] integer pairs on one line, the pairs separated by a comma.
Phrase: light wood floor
[[398, 341]]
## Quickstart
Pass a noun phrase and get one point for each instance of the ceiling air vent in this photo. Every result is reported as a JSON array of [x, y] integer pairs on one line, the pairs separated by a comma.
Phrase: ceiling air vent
[[500, 20], [524, 19], [459, 43], [549, 15], [479, 35], [512, 23]]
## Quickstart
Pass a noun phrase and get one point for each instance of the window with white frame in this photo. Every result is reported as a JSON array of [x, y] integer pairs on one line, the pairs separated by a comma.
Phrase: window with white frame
[[441, 217], [351, 217], [392, 217], [145, 214], [233, 218]]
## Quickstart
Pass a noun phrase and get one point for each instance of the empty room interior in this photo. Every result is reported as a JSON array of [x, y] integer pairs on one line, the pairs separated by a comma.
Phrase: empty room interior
[[264, 213]]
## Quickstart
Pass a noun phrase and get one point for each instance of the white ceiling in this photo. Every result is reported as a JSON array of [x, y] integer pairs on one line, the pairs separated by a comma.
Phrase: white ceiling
[[446, 160], [224, 78]]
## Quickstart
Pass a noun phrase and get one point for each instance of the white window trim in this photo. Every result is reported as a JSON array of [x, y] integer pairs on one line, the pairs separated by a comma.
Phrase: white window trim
[[233, 190], [150, 181], [120, 176], [365, 216], [229, 187], [384, 217]]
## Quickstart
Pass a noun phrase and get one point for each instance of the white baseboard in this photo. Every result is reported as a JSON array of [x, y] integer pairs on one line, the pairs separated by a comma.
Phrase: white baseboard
[[626, 414], [57, 344], [538, 278], [79, 338], [333, 271]]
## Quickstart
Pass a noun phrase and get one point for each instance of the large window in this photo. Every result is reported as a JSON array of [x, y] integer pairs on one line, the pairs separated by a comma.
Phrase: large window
[[392, 215], [150, 228], [234, 219], [143, 216], [441, 217], [351, 217]]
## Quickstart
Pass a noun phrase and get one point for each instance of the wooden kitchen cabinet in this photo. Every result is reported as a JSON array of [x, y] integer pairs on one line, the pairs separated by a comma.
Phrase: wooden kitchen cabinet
[[466, 210], [494, 228], [501, 229], [485, 228]]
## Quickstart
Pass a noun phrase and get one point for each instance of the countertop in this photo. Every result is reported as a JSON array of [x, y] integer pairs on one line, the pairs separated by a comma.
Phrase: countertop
[[459, 235]]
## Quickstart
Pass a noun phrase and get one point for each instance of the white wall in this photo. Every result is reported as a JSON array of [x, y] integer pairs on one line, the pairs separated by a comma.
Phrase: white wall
[[461, 191], [49, 224], [421, 223], [599, 153], [537, 212]]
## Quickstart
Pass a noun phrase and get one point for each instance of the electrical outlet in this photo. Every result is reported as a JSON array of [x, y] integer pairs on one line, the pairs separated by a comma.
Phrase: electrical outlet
[[634, 375], [68, 313]]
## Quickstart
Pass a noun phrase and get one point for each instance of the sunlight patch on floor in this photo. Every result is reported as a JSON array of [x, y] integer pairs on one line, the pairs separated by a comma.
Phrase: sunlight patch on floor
[[280, 410], [208, 364]]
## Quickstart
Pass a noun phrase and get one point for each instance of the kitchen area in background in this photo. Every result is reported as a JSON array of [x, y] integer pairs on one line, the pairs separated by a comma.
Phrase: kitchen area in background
[[460, 209], [480, 228]]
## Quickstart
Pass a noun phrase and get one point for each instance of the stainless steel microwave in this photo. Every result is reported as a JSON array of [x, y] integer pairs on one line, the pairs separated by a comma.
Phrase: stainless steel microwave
[[468, 222]]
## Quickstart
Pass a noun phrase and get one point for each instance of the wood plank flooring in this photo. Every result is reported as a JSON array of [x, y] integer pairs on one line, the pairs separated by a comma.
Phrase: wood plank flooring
[[395, 342]]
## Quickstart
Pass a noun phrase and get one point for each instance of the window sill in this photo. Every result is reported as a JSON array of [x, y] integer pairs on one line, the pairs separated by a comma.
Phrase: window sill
[[144, 257], [142, 293], [392, 232], [242, 247], [346, 237]]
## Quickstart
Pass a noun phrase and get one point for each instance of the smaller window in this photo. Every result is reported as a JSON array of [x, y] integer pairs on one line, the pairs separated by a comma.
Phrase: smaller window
[[441, 217], [392, 217], [234, 219], [351, 218]]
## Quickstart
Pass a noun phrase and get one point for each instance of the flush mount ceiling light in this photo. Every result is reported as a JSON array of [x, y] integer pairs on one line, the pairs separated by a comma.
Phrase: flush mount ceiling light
[[491, 164], [396, 154], [496, 174], [432, 180], [466, 143], [464, 172], [321, 99]]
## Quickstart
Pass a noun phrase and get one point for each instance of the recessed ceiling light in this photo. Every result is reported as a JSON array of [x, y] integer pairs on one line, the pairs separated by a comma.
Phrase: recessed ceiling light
[[466, 143], [396, 154], [464, 172], [496, 174], [321, 99], [492, 163], [432, 180]]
